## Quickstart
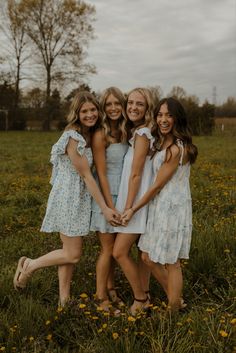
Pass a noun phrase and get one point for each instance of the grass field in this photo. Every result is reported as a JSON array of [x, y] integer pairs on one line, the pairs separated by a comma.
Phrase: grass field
[[30, 320]]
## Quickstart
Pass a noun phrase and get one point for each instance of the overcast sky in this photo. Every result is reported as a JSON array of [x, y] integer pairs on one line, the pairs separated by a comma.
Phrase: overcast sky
[[187, 43]]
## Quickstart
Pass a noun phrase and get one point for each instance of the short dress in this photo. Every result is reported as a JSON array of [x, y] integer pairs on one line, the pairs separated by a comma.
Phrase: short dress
[[137, 224], [69, 203], [114, 163], [169, 224]]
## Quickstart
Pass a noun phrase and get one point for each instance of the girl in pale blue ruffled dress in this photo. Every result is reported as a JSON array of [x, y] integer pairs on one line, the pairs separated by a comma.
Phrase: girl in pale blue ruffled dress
[[69, 204], [167, 237], [109, 145]]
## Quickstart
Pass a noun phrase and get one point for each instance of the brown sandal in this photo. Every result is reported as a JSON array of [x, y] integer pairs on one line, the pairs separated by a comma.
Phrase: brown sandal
[[114, 297], [21, 275], [143, 308]]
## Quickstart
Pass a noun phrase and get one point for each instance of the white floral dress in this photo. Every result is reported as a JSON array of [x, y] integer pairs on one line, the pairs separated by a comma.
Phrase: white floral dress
[[169, 223], [69, 203], [137, 224]]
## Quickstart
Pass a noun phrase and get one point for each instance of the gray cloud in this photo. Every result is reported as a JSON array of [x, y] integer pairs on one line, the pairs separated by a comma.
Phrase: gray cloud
[[189, 43]]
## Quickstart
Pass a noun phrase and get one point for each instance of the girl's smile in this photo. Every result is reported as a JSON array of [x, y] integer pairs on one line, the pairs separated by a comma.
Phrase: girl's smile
[[165, 120]]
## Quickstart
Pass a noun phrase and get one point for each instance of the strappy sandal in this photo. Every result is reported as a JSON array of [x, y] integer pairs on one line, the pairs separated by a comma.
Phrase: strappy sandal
[[114, 297], [21, 275], [143, 308]]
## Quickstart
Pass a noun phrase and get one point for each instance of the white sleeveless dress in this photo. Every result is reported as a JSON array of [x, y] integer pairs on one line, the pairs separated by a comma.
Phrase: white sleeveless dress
[[137, 224], [169, 224]]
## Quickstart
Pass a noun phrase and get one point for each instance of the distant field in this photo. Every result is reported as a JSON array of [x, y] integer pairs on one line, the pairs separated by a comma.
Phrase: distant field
[[226, 124], [30, 321]]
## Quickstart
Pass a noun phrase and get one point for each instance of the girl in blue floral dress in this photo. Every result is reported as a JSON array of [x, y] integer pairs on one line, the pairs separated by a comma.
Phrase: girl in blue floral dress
[[167, 237], [69, 204]]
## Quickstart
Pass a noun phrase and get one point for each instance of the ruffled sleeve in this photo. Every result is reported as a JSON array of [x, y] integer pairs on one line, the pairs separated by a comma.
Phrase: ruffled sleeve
[[143, 131], [60, 149]]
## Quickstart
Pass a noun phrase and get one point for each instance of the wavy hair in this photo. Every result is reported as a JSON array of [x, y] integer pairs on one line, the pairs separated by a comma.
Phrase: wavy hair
[[149, 114], [122, 121], [181, 130], [76, 104]]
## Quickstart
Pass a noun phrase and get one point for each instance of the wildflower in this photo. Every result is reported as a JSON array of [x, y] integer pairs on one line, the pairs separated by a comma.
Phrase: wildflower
[[87, 312], [99, 330], [131, 319], [104, 326], [226, 251], [83, 295], [223, 333], [179, 323], [95, 318], [31, 338], [47, 322], [155, 307], [59, 309], [126, 329], [189, 320], [2, 349], [49, 337], [233, 321], [56, 317], [82, 306], [115, 335], [90, 273]]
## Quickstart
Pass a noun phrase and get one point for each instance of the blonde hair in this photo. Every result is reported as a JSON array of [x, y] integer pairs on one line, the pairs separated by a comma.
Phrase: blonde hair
[[77, 102], [116, 92], [149, 114]]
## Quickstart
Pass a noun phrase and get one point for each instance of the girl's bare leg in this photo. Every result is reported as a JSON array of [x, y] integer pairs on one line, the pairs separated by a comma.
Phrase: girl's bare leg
[[65, 273], [159, 271], [175, 285], [144, 273], [121, 252], [104, 265]]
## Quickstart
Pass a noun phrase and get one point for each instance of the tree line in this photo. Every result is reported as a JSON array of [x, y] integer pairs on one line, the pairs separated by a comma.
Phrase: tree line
[[45, 42]]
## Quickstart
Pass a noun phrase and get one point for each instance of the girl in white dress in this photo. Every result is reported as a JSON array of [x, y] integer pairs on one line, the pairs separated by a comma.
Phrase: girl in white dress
[[168, 235], [109, 145], [69, 204], [135, 180]]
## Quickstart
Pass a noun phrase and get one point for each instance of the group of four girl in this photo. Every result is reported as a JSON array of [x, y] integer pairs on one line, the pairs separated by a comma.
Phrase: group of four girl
[[142, 158]]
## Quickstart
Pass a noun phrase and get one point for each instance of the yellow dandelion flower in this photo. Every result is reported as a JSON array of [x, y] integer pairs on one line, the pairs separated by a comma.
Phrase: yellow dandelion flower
[[226, 251], [131, 319], [223, 333], [83, 295], [115, 335], [155, 307], [163, 304], [56, 317], [179, 323], [233, 321], [59, 309], [222, 321], [189, 320], [208, 310], [49, 337], [104, 326], [95, 318], [82, 306], [90, 274], [31, 338], [87, 312], [106, 313], [126, 329], [99, 330], [47, 322], [2, 349]]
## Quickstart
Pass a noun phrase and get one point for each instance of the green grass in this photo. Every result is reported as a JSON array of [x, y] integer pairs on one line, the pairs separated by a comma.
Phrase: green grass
[[30, 321]]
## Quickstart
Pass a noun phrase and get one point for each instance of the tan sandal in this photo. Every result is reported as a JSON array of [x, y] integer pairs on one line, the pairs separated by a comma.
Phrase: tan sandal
[[114, 298], [21, 275], [144, 307]]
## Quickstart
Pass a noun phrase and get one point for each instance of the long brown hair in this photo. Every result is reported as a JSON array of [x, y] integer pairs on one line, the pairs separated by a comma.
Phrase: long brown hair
[[181, 130], [77, 102]]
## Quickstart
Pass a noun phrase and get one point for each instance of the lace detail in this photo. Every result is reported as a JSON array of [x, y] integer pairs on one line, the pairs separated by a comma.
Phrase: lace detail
[[143, 131]]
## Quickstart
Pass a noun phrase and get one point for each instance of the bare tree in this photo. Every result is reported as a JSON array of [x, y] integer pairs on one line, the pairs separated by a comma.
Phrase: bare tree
[[13, 29], [59, 29]]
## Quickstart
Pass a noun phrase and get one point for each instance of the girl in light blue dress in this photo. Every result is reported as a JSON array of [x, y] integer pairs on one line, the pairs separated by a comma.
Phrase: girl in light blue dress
[[167, 237], [109, 147], [69, 204]]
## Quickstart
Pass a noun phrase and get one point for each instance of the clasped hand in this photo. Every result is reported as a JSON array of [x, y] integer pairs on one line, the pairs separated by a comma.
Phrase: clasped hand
[[121, 219]]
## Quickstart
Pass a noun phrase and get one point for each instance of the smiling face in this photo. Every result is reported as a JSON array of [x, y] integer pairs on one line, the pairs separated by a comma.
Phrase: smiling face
[[136, 107], [113, 107], [165, 120], [88, 114]]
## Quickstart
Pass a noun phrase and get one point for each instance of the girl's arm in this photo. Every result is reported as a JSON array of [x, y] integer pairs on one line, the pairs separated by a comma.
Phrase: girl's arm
[[141, 149], [164, 174], [82, 166], [99, 157]]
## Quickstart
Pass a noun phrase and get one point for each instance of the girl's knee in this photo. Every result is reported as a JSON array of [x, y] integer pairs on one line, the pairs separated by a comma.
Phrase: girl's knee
[[74, 257], [145, 258]]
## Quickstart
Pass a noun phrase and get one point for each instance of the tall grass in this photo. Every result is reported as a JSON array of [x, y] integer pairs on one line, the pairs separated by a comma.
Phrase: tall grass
[[30, 320]]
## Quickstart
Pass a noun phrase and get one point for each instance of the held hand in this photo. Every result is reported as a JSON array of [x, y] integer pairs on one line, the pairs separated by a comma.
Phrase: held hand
[[112, 216], [126, 216]]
